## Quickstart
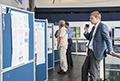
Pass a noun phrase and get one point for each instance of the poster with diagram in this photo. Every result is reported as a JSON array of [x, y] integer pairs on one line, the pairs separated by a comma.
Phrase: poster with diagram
[[39, 42], [55, 39], [20, 37], [49, 38]]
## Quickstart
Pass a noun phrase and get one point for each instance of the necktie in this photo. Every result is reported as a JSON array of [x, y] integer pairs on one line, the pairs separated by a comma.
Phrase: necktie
[[92, 32]]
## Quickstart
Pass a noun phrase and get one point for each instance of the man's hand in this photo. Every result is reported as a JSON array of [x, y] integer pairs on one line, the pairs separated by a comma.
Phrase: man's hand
[[59, 44], [112, 52], [86, 29], [58, 47]]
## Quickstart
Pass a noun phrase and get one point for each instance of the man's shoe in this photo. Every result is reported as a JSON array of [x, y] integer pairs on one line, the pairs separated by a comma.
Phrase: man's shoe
[[71, 64], [62, 72]]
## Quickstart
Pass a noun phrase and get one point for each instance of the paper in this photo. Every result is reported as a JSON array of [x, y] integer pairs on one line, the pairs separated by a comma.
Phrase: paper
[[55, 39], [77, 32], [39, 42], [117, 36], [20, 38], [49, 39], [35, 39]]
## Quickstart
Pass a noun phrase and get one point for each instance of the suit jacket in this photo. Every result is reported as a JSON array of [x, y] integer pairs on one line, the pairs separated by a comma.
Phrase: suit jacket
[[101, 41]]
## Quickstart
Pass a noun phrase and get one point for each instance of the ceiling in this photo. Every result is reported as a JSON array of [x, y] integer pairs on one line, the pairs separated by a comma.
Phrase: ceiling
[[76, 3]]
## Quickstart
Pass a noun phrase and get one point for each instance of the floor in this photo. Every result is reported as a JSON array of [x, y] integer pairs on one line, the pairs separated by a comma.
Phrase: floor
[[74, 73]]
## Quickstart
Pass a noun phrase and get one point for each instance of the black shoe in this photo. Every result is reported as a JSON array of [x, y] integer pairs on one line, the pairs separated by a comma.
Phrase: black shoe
[[71, 64], [62, 72]]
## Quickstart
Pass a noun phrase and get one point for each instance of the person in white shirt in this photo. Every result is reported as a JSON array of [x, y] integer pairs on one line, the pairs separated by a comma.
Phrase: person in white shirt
[[62, 46]]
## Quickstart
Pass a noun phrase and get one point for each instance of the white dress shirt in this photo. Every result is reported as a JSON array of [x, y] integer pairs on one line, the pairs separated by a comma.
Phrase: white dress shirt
[[91, 42]]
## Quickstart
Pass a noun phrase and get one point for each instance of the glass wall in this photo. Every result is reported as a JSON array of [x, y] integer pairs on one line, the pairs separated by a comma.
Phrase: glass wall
[[73, 46], [112, 66], [79, 46]]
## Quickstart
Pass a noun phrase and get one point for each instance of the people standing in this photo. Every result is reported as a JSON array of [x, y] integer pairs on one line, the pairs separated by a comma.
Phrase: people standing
[[99, 41], [62, 46], [69, 57]]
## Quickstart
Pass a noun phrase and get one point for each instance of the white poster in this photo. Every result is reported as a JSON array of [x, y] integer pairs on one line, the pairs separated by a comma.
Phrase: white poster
[[55, 39], [3, 9], [35, 38], [49, 38], [117, 36], [20, 38], [39, 42]]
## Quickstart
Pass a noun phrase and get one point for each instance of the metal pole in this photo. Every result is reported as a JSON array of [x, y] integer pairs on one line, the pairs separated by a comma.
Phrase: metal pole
[[31, 5], [104, 69]]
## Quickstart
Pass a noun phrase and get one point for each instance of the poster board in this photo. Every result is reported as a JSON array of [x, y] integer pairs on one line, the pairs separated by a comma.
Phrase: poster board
[[40, 44], [117, 36], [56, 27], [50, 45], [49, 38], [8, 72], [56, 51]]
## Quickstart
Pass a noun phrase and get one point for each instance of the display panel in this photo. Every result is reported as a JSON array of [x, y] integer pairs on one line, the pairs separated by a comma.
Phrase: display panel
[[76, 32], [49, 38], [82, 46], [117, 36]]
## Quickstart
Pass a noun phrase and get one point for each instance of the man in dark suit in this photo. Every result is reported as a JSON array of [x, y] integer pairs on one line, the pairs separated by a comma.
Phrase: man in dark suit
[[99, 41]]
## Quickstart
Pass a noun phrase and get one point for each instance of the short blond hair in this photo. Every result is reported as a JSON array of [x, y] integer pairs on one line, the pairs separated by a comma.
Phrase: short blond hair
[[96, 14]]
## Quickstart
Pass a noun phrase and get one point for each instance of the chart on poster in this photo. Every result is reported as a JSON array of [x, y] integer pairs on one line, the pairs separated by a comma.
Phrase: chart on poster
[[39, 42], [20, 38], [49, 38]]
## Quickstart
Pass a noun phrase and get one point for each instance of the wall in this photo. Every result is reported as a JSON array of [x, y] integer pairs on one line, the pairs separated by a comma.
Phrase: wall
[[6, 2], [77, 14]]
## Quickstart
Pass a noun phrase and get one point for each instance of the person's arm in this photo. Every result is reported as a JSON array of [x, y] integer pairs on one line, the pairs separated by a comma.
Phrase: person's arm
[[105, 34], [87, 35], [61, 35], [61, 38], [56, 33], [112, 52]]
